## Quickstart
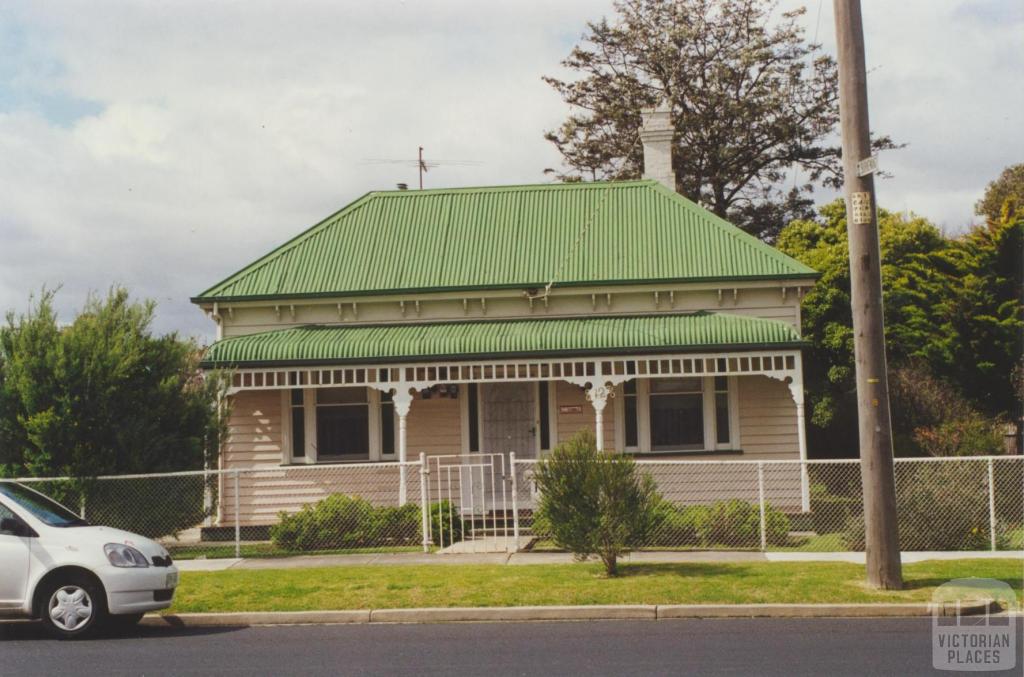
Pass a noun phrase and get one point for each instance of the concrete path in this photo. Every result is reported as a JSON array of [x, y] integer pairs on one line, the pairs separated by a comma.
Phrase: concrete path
[[562, 558]]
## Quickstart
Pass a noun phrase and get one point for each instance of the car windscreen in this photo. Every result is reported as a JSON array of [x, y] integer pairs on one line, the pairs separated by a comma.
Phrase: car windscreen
[[42, 508]]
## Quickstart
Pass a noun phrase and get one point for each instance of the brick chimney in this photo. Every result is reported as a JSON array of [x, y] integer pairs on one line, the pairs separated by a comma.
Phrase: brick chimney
[[656, 135]]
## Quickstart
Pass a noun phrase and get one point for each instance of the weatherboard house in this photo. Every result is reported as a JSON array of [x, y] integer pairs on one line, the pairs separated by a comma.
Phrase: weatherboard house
[[497, 320]]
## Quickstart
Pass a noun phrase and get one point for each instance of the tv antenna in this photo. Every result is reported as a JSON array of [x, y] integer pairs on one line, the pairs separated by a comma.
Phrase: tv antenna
[[422, 165]]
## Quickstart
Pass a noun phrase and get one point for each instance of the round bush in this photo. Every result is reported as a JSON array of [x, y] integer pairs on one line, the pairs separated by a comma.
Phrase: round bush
[[737, 523]]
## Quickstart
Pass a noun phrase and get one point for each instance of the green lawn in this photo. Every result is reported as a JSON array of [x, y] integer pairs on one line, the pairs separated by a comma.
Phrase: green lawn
[[396, 586]]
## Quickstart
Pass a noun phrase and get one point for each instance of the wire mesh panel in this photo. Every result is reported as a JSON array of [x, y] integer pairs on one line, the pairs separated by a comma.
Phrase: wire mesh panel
[[366, 507], [170, 508], [834, 501], [972, 503], [705, 505], [942, 504]]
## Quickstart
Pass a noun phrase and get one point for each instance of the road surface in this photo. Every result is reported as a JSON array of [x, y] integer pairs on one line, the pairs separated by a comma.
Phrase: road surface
[[725, 646]]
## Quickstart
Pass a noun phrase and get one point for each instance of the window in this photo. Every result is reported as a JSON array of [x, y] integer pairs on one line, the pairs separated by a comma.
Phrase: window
[[298, 412], [630, 414], [342, 424], [42, 508], [545, 415], [722, 410], [387, 425], [676, 414], [474, 417]]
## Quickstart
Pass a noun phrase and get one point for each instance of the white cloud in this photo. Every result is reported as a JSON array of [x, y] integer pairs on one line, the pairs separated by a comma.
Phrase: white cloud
[[222, 129]]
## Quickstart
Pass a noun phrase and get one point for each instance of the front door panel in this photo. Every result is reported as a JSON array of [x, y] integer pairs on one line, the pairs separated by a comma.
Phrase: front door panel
[[509, 419]]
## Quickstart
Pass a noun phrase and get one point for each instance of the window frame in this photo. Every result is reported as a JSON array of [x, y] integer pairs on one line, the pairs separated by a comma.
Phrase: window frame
[[313, 457], [643, 412]]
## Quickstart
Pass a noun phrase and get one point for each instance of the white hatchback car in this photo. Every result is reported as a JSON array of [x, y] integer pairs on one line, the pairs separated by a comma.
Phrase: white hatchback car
[[76, 577]]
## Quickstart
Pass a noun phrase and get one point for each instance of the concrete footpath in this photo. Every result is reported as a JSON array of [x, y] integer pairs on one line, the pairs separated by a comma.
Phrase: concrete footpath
[[397, 558], [597, 612]]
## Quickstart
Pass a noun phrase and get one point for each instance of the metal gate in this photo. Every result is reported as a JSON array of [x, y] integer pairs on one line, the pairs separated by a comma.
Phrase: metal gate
[[469, 498]]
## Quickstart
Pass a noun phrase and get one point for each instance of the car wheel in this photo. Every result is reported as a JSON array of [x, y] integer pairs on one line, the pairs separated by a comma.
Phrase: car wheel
[[73, 607]]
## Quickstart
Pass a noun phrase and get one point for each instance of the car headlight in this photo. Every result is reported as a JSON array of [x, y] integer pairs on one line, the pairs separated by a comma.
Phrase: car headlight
[[121, 555]]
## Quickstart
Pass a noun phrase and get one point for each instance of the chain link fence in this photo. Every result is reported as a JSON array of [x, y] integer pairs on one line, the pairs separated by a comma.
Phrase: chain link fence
[[350, 508], [943, 503], [817, 506]]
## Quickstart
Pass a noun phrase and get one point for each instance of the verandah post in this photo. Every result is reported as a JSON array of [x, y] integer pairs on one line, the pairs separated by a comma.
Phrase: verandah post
[[598, 396], [403, 402]]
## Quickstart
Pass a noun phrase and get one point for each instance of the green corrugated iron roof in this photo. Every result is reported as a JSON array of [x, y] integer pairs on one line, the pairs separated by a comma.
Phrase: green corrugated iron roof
[[507, 237], [317, 344]]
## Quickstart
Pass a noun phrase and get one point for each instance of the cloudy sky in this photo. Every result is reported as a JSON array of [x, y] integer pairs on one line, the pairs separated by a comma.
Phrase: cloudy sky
[[163, 145]]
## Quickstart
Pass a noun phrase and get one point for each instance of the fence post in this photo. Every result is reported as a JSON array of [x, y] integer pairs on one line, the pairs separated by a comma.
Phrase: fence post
[[81, 504], [805, 487], [207, 497], [991, 505], [760, 502], [515, 500], [238, 525], [424, 503]]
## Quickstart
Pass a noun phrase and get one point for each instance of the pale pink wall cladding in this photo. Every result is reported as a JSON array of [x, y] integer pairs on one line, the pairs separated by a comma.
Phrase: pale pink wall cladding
[[254, 430], [768, 428], [435, 426]]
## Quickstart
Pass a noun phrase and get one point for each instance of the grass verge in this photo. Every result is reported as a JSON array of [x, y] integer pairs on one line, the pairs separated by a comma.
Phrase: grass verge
[[401, 586]]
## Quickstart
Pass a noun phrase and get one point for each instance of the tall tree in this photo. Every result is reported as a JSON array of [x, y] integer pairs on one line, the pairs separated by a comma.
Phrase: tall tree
[[101, 395], [953, 323], [1009, 187], [751, 99], [913, 279]]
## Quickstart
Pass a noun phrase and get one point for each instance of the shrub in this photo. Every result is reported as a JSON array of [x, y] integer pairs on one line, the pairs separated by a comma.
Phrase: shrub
[[594, 502], [341, 522], [940, 506], [676, 525], [444, 518], [738, 523], [973, 435], [732, 523], [831, 512]]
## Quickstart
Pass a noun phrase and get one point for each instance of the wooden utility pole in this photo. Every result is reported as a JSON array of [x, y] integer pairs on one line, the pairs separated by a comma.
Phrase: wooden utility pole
[[875, 428]]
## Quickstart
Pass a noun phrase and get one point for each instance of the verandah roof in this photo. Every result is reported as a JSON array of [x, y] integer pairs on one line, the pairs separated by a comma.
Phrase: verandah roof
[[374, 344]]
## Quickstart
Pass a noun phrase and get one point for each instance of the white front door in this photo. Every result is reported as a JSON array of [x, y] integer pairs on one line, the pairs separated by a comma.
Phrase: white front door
[[15, 553], [509, 419]]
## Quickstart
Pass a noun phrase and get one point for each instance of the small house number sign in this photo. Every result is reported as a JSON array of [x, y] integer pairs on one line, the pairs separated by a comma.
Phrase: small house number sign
[[570, 409]]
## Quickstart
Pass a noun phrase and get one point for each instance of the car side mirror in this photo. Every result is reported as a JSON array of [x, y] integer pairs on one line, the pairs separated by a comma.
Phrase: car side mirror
[[12, 526]]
